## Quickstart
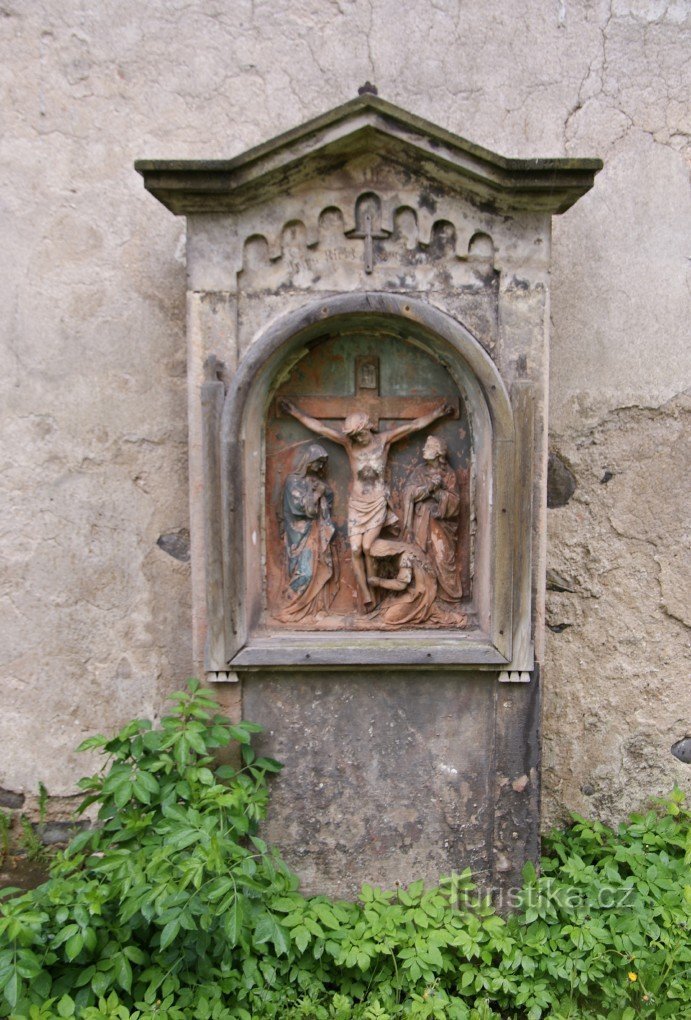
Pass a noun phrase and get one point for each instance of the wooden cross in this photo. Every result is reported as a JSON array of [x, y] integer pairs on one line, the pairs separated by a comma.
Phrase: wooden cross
[[366, 398]]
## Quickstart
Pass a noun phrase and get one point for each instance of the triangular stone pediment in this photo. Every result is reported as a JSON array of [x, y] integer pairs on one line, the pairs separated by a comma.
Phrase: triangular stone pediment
[[367, 126]]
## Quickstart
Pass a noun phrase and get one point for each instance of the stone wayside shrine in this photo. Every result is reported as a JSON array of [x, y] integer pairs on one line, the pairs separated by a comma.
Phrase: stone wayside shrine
[[368, 325]]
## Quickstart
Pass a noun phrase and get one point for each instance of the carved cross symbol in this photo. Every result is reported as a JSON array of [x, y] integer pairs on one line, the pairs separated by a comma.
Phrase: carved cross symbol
[[368, 233], [366, 398]]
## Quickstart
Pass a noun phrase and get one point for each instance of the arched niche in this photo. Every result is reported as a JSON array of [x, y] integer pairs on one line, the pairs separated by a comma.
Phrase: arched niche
[[251, 639]]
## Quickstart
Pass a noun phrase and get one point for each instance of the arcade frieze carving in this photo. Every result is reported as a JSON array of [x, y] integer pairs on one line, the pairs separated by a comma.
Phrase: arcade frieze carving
[[373, 233]]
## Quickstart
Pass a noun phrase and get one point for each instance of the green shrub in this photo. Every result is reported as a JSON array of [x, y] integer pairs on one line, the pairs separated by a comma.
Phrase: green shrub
[[174, 908]]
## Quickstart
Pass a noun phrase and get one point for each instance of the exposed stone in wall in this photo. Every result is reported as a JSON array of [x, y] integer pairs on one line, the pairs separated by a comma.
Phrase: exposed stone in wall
[[561, 483], [94, 617], [52, 819], [176, 544], [11, 799], [681, 749]]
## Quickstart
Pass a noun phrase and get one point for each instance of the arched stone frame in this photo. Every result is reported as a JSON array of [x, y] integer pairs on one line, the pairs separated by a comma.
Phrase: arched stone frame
[[498, 493]]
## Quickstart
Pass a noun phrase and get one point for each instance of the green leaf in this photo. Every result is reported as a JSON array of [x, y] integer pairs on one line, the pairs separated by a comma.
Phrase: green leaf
[[65, 1006], [267, 929], [11, 988], [240, 734], [286, 904], [140, 791], [301, 937], [74, 946], [326, 915], [169, 933], [529, 874], [80, 840], [264, 929], [135, 955], [41, 985], [233, 921], [250, 727], [122, 794], [196, 742], [269, 764], [123, 973], [434, 956], [101, 982], [219, 889], [92, 742]]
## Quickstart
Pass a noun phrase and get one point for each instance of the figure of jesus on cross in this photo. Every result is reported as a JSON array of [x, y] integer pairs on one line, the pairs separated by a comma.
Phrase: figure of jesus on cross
[[369, 509]]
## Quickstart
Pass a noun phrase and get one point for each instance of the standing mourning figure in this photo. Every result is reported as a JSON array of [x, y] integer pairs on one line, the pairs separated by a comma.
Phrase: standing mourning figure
[[431, 504], [308, 531], [369, 508]]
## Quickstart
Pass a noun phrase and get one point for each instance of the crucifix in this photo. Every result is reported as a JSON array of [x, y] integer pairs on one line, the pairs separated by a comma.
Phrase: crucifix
[[367, 449], [366, 398]]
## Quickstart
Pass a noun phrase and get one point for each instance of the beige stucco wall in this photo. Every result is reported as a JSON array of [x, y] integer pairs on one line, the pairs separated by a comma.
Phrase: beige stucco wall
[[94, 616]]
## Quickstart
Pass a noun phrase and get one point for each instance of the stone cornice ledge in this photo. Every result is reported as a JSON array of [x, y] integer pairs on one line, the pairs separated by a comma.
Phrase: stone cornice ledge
[[367, 125]]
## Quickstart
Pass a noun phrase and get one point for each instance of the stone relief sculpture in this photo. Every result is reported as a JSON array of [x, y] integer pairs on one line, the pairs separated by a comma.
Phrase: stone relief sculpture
[[369, 500], [414, 582], [431, 504], [414, 579], [308, 531]]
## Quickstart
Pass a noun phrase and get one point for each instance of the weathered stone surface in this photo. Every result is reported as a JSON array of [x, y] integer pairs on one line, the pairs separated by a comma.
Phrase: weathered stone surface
[[618, 655], [95, 621], [385, 779]]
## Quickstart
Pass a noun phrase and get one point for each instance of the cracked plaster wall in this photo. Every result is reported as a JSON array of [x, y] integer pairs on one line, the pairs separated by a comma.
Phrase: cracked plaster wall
[[94, 615]]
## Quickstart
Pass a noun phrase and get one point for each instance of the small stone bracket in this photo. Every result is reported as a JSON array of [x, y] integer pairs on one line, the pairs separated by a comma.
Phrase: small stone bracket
[[514, 676], [221, 676]]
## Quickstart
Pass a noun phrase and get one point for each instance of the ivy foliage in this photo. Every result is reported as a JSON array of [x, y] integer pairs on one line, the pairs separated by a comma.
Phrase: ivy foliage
[[173, 907]]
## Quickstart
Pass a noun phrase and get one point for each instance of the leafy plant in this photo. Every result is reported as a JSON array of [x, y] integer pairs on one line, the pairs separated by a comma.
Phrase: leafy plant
[[613, 908], [31, 836], [175, 908], [30, 841], [42, 804], [5, 829]]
